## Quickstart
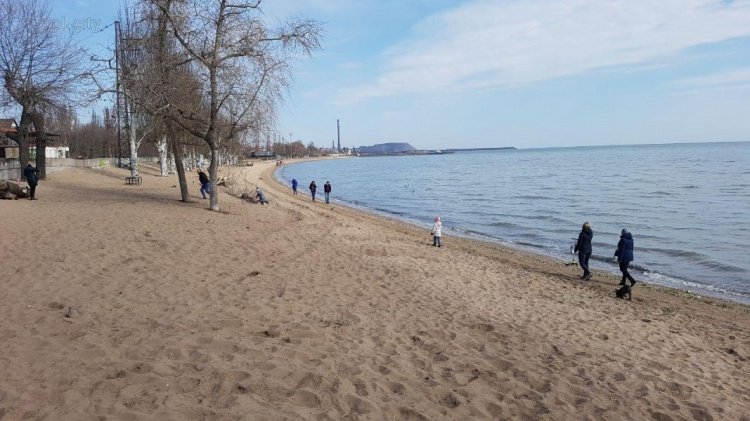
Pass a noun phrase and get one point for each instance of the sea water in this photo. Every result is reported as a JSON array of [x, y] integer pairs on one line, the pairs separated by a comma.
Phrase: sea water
[[687, 205]]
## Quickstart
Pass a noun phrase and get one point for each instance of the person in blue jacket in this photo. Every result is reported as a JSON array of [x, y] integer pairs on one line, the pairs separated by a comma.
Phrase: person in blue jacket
[[624, 254], [31, 177], [294, 185], [583, 248]]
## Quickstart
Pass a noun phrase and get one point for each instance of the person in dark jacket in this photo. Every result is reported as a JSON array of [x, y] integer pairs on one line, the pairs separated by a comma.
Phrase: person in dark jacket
[[260, 196], [624, 254], [205, 183], [31, 177], [583, 248], [294, 185], [313, 188], [327, 190]]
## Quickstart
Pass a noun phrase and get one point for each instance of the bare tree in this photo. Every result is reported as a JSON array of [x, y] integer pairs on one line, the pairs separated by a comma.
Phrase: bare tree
[[40, 67], [242, 64]]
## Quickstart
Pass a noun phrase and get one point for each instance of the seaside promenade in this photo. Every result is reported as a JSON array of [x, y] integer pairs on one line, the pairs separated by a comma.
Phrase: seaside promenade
[[122, 303]]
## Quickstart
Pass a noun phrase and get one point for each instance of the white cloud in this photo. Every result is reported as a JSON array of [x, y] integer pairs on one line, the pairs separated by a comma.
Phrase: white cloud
[[501, 43], [716, 80]]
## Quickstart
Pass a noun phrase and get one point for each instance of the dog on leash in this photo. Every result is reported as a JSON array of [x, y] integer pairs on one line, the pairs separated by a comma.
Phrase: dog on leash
[[622, 292]]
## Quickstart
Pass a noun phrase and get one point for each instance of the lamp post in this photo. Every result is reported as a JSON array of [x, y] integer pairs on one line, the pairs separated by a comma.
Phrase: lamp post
[[289, 144]]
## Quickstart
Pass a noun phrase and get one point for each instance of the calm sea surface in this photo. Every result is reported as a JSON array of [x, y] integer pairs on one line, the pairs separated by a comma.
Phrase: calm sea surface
[[688, 206]]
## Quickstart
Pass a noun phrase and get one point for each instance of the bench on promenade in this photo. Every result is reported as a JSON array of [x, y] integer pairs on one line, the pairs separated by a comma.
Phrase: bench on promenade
[[136, 181]]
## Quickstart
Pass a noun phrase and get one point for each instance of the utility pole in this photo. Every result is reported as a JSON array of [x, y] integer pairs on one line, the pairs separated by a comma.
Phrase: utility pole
[[290, 144], [338, 134]]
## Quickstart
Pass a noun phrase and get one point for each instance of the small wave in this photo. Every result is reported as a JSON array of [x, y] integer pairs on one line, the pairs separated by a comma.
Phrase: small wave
[[530, 245], [531, 235], [682, 284], [533, 197], [507, 225], [549, 218], [392, 212], [673, 252], [660, 193], [721, 267]]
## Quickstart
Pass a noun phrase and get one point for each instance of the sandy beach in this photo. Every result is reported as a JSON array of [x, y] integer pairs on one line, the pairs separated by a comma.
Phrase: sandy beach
[[123, 303]]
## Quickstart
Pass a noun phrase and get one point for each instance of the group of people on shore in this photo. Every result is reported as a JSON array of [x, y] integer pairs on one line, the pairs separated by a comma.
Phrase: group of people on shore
[[624, 253], [314, 189]]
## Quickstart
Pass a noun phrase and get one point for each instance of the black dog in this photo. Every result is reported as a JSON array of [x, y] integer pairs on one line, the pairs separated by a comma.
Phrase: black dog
[[622, 292]]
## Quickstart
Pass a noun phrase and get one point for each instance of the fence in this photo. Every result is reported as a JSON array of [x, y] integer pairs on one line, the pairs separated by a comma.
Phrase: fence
[[10, 168]]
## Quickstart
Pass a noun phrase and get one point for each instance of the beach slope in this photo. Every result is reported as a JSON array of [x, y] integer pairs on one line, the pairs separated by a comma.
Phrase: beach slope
[[122, 303]]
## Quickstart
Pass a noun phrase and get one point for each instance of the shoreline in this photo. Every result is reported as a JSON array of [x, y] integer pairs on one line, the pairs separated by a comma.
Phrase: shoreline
[[124, 303], [695, 291]]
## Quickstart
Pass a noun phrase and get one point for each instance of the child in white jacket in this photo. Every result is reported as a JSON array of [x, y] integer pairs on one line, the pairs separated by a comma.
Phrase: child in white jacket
[[437, 232]]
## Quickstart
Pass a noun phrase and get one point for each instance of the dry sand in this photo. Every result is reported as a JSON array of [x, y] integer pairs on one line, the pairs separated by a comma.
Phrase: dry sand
[[122, 303]]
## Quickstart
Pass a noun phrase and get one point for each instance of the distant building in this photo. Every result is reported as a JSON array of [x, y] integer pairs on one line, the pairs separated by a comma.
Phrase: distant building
[[9, 147], [263, 155]]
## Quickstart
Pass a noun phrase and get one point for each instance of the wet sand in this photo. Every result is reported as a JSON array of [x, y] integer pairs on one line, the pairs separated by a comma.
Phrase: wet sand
[[122, 303]]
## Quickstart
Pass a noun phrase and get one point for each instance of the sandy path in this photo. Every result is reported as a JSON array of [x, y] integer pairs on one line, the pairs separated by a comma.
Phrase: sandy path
[[305, 311]]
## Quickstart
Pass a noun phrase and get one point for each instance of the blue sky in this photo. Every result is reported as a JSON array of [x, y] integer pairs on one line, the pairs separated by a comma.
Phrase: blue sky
[[523, 73]]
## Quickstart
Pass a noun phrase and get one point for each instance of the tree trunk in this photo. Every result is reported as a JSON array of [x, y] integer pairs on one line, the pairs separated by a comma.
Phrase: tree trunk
[[41, 143], [177, 152], [162, 147], [133, 152], [13, 188], [23, 139], [212, 172]]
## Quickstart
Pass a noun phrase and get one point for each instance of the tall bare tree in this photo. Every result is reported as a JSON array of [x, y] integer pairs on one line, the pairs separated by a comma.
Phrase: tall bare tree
[[40, 66], [243, 66]]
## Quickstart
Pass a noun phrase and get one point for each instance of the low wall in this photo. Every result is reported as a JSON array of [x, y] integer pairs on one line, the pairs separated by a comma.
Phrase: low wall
[[10, 168]]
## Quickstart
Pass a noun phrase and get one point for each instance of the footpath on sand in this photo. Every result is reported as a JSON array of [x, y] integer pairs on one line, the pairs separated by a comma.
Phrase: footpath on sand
[[119, 302]]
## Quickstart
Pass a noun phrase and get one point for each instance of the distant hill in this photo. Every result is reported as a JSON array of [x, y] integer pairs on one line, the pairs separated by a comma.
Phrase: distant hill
[[386, 148], [481, 149]]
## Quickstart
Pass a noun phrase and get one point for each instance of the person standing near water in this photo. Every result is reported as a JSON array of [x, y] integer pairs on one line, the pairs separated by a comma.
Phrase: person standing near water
[[437, 233], [624, 254], [294, 185], [313, 188], [30, 172], [327, 190], [583, 248], [205, 183]]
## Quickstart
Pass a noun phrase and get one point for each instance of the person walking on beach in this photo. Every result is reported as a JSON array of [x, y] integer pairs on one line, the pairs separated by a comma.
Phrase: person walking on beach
[[205, 183], [327, 190], [294, 185], [30, 172], [313, 188], [583, 248], [624, 254], [437, 233]]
